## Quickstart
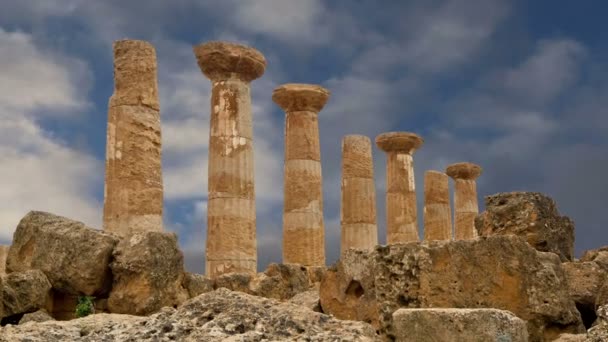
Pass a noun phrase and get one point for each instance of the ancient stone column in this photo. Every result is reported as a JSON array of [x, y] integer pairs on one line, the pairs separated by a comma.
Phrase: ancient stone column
[[231, 228], [437, 213], [465, 199], [133, 193], [3, 256], [358, 207], [401, 215], [303, 227]]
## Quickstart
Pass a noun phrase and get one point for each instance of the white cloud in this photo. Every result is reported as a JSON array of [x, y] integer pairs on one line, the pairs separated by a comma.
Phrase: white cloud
[[39, 172]]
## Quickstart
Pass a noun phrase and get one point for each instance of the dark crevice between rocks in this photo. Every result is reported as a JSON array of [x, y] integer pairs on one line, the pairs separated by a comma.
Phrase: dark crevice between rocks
[[355, 289], [13, 320], [587, 314]]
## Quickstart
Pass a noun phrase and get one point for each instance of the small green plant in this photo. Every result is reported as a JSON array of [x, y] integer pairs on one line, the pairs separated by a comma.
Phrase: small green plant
[[85, 306]]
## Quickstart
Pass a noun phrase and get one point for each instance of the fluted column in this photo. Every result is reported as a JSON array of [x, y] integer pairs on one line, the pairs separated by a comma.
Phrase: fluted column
[[231, 221], [401, 215], [437, 213], [303, 227], [358, 206], [133, 192], [466, 207]]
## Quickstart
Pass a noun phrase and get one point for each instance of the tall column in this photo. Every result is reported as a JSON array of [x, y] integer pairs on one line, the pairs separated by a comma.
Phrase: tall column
[[303, 227], [465, 199], [133, 192], [358, 207], [437, 212], [401, 215], [231, 229]]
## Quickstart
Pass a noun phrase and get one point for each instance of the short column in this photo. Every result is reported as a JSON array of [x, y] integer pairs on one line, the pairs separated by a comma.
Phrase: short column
[[133, 191], [231, 220], [466, 207], [358, 206], [437, 213], [303, 226], [401, 215]]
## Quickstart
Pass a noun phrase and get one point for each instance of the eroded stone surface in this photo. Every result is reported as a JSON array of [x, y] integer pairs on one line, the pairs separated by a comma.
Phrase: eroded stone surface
[[221, 315], [437, 211], [585, 281], [75, 258], [148, 274], [197, 284], [303, 225], [3, 255], [358, 205], [231, 220], [599, 331], [22, 292], [133, 193], [531, 215], [38, 316], [501, 272], [466, 207], [401, 212], [456, 325]]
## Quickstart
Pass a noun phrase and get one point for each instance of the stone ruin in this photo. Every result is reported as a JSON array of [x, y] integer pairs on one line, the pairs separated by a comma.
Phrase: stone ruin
[[507, 274]]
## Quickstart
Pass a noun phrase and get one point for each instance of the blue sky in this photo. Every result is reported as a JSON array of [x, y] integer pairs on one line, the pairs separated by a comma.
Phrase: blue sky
[[519, 87]]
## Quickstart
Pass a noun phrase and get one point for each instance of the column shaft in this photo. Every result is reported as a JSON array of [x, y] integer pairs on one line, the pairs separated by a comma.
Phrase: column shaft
[[401, 209], [437, 213], [133, 191], [358, 205], [231, 220], [303, 226], [465, 208]]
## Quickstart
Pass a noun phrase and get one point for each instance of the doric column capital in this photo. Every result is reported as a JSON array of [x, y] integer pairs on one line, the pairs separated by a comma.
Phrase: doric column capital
[[293, 97], [464, 170], [221, 60], [404, 142]]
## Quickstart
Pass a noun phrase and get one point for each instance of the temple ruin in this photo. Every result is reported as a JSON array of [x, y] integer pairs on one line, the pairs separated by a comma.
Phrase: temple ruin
[[401, 214], [303, 226], [231, 225], [359, 229], [437, 212], [466, 207], [133, 192]]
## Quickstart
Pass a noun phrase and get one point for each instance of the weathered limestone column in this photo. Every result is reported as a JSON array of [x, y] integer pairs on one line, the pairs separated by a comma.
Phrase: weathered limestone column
[[133, 193], [437, 212], [231, 229], [358, 207], [3, 255], [303, 227], [465, 199], [401, 215]]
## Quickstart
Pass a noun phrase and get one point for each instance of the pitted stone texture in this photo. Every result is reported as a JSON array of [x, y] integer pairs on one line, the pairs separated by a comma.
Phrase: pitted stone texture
[[531, 215], [303, 225], [223, 60], [501, 272], [3, 255], [466, 205], [148, 274], [599, 331], [197, 284], [585, 285], [135, 74], [297, 97], [75, 258], [359, 229], [22, 292], [599, 255], [220, 315], [456, 325], [133, 193], [401, 212], [231, 220], [437, 211], [38, 316]]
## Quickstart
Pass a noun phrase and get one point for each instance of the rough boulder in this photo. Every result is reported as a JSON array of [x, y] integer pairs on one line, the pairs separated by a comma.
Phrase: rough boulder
[[501, 272], [148, 274], [221, 315], [23, 292], [74, 257], [531, 215]]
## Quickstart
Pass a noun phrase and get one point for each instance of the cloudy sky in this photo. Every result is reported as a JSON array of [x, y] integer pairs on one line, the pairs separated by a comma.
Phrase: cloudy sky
[[519, 87]]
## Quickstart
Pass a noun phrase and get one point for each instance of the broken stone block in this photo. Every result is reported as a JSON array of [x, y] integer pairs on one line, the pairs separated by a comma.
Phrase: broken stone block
[[585, 281], [23, 292]]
